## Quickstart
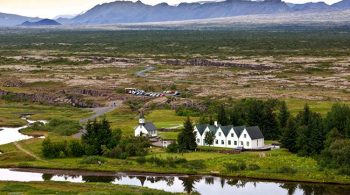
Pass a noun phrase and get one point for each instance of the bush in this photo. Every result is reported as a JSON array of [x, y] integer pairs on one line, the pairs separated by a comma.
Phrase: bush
[[287, 170], [253, 167], [63, 127], [230, 167], [92, 160], [194, 164], [239, 166], [173, 148], [54, 150], [76, 149], [141, 160]]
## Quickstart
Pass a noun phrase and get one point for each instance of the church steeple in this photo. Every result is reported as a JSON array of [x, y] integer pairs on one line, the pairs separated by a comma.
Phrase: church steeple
[[142, 118]]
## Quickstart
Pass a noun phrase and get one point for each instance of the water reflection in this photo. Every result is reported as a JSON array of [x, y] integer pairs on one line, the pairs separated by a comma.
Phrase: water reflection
[[201, 184]]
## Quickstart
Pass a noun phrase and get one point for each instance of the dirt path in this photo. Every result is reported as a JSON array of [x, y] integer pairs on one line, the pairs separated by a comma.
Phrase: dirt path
[[99, 111], [26, 151], [142, 72]]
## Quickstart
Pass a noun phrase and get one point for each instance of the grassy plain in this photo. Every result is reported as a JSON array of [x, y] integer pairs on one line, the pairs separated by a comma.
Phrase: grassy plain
[[71, 188], [271, 163]]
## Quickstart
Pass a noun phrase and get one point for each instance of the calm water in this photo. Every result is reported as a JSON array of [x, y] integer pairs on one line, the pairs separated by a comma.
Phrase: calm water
[[9, 135], [202, 184]]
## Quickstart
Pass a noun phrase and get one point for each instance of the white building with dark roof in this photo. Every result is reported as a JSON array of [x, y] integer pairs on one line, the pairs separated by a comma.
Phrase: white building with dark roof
[[145, 128], [230, 136]]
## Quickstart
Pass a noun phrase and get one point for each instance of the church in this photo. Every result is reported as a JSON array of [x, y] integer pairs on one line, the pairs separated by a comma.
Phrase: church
[[145, 128]]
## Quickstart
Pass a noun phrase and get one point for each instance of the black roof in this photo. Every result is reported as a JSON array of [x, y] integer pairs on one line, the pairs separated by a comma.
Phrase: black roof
[[226, 129], [201, 128], [238, 130], [150, 126], [254, 132]]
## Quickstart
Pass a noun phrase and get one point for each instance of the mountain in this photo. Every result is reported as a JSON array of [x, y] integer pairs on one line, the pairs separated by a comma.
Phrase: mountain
[[137, 12], [310, 6], [345, 4], [44, 22], [13, 20]]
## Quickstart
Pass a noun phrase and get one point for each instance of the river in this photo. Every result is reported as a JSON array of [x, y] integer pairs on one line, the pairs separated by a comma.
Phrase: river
[[206, 185]]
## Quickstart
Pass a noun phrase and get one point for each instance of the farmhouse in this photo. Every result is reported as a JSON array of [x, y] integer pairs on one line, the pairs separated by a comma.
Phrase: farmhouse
[[230, 136], [145, 128]]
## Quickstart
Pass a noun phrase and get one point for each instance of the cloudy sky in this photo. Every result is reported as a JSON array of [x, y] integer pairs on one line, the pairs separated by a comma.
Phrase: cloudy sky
[[53, 8]]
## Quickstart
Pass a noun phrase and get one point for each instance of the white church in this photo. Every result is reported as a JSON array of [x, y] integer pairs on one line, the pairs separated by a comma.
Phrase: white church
[[145, 128], [230, 136]]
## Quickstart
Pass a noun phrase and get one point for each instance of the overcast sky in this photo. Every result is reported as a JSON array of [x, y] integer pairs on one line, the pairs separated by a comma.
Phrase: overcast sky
[[53, 8]]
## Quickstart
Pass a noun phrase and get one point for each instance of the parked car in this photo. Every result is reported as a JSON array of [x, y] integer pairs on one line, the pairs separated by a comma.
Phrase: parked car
[[240, 149]]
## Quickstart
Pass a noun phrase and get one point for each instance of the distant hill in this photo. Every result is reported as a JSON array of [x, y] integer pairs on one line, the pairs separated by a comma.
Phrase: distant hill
[[345, 4], [13, 20], [44, 22], [319, 6], [136, 12]]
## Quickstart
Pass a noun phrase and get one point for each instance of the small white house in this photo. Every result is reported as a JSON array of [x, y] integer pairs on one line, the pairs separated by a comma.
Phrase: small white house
[[230, 136], [145, 128]]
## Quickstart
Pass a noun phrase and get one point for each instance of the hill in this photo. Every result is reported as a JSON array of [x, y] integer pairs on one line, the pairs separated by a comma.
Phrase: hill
[[44, 22]]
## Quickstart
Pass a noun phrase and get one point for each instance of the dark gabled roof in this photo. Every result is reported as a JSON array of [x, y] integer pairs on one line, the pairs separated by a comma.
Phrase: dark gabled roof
[[150, 126], [201, 128], [238, 130], [213, 128], [226, 129], [254, 132]]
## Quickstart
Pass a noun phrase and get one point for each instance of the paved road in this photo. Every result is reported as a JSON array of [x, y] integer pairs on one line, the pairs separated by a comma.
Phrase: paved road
[[99, 111], [142, 72]]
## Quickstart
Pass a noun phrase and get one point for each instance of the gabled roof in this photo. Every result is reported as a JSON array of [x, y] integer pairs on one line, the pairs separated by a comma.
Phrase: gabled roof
[[201, 128], [254, 132], [213, 128], [238, 130], [226, 129], [150, 126]]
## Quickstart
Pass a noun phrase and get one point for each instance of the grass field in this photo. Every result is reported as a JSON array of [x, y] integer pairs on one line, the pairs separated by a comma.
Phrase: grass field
[[10, 113], [71, 188], [271, 163]]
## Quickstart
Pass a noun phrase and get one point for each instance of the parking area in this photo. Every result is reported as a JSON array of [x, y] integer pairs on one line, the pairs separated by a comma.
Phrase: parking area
[[140, 92]]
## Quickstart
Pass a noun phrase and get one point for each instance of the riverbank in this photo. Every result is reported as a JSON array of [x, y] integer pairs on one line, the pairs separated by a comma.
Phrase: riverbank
[[279, 165], [75, 188]]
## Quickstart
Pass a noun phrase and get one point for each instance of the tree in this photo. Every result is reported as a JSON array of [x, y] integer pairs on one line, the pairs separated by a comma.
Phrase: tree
[[289, 136], [209, 138], [203, 120], [97, 134], [339, 118], [187, 138], [211, 121], [283, 115], [331, 137], [222, 118]]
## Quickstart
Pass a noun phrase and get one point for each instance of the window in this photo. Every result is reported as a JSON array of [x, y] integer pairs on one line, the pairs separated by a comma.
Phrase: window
[[245, 135], [198, 140], [235, 143], [247, 143], [232, 135], [241, 143], [229, 142], [216, 141], [219, 133], [222, 142]]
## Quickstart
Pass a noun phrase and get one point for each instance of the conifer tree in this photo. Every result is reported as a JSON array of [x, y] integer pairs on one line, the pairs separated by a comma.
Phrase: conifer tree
[[283, 115], [222, 118], [187, 138]]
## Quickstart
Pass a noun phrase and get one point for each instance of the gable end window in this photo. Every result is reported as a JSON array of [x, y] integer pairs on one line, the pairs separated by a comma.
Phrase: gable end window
[[219, 133], [245, 135], [232, 135]]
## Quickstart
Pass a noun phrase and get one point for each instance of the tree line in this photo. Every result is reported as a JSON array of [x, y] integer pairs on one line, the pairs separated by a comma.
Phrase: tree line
[[98, 140]]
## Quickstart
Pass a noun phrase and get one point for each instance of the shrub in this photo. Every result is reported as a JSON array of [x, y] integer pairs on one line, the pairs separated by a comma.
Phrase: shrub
[[92, 160], [141, 160], [173, 148], [253, 167], [76, 149], [194, 164], [288, 170], [230, 167], [54, 150]]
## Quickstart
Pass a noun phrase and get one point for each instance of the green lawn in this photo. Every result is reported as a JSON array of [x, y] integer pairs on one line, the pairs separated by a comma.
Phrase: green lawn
[[10, 113], [73, 188], [321, 107], [269, 162]]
